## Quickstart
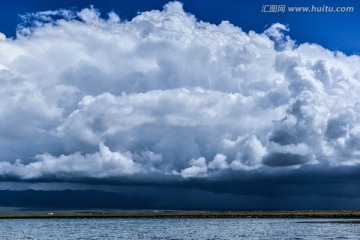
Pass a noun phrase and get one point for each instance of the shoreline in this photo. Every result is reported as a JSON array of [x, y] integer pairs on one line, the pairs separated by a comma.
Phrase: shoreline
[[315, 214]]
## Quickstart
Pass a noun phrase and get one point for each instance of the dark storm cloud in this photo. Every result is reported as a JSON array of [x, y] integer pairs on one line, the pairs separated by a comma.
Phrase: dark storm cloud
[[170, 102]]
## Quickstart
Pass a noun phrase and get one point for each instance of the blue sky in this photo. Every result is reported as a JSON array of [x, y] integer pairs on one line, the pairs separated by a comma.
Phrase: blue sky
[[336, 31], [168, 105]]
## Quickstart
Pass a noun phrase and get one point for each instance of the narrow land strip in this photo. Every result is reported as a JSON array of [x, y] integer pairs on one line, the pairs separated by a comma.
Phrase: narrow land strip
[[186, 214]]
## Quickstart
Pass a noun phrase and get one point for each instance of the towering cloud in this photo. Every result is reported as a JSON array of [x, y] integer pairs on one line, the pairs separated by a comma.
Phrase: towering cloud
[[167, 97]]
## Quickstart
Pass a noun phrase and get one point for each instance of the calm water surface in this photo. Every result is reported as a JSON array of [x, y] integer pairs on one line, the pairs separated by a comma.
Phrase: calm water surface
[[175, 229]]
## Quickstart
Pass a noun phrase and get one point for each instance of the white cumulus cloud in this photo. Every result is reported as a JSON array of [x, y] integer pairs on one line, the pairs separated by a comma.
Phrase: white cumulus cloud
[[168, 94]]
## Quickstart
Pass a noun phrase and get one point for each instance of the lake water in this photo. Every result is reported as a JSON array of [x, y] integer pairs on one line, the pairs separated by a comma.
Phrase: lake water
[[175, 229]]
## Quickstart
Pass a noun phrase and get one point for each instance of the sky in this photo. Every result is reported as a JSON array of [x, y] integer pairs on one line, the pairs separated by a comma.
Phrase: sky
[[335, 31], [180, 105]]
